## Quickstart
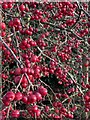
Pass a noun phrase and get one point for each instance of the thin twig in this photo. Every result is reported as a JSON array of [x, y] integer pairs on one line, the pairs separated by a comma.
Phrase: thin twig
[[47, 86], [11, 52], [58, 29], [20, 64]]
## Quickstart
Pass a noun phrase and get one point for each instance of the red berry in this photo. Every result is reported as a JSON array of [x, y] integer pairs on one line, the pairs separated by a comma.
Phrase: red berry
[[9, 5], [73, 109], [3, 33], [34, 58], [87, 98], [47, 108], [4, 6], [24, 70], [10, 96], [87, 110], [16, 21], [38, 96], [32, 98], [5, 101], [25, 98], [22, 7], [15, 113], [34, 108], [24, 85], [42, 91], [38, 112], [18, 96], [17, 79], [10, 23], [2, 26], [17, 71], [24, 80]]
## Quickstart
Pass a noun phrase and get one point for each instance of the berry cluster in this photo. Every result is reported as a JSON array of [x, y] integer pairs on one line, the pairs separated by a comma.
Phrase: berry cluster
[[45, 60]]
